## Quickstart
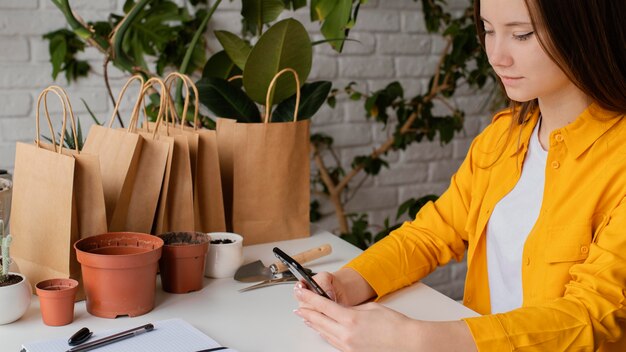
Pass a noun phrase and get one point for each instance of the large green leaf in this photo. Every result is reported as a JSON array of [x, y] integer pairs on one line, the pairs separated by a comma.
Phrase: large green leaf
[[259, 12], [312, 96], [321, 8], [236, 48], [226, 100], [294, 4], [336, 22], [220, 66], [285, 45]]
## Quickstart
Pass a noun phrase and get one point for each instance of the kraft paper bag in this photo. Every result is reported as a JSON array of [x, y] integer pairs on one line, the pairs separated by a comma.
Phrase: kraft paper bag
[[152, 169], [225, 132], [271, 171], [178, 207], [119, 152], [208, 201], [57, 199], [209, 196]]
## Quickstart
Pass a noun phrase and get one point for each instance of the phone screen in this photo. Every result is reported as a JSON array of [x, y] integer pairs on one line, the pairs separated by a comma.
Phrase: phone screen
[[298, 271]]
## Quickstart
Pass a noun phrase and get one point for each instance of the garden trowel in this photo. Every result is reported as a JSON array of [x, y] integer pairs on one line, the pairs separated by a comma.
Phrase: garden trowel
[[256, 271]]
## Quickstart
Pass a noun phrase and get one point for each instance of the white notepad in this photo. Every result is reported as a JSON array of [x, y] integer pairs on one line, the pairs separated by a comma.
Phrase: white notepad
[[172, 335]]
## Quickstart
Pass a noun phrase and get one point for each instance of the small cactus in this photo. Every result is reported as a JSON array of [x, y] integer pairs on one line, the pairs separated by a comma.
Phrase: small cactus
[[6, 258]]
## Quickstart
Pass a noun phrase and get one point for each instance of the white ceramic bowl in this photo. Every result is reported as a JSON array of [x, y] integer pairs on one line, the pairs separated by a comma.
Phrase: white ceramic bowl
[[17, 298], [224, 259]]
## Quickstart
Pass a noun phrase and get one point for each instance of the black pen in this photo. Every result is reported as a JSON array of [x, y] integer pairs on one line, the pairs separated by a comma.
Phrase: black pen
[[113, 338]]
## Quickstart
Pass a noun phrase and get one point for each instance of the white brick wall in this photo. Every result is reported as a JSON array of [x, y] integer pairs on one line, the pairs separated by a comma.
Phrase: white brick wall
[[393, 45]]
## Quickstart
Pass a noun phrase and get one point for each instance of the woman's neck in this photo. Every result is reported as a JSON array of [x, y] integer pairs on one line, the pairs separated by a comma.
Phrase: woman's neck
[[559, 110]]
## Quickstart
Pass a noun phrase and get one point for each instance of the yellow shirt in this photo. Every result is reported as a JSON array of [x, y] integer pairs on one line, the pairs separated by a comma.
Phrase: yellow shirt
[[574, 260]]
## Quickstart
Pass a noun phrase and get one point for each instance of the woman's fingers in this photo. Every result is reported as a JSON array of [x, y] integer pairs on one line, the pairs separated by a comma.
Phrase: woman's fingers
[[325, 281], [311, 300]]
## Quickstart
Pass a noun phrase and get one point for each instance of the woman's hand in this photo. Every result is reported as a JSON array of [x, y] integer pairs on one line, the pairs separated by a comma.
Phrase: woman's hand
[[345, 286], [369, 327], [374, 327]]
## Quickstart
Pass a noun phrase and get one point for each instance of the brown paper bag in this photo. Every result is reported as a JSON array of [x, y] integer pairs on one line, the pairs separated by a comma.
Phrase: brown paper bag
[[57, 199], [271, 171], [119, 153], [178, 207], [208, 201], [225, 131], [154, 162]]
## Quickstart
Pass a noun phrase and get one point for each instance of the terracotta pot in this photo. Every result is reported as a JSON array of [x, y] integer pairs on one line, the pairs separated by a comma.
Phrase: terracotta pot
[[56, 299], [119, 272], [16, 300], [182, 262]]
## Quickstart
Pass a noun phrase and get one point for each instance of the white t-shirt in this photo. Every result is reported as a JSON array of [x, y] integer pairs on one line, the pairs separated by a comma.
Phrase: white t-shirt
[[511, 221]]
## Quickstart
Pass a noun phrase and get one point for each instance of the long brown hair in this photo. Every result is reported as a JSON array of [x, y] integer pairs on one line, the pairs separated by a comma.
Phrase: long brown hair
[[586, 39]]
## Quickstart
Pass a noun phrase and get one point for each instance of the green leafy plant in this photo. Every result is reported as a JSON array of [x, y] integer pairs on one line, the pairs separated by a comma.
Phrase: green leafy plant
[[68, 138], [173, 36], [6, 257], [409, 120]]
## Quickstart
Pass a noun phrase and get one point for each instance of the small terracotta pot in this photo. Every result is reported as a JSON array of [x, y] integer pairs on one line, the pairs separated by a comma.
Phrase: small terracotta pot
[[56, 299], [119, 272], [182, 262]]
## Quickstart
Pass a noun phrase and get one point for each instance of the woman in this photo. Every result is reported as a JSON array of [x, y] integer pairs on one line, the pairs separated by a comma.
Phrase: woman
[[539, 203]]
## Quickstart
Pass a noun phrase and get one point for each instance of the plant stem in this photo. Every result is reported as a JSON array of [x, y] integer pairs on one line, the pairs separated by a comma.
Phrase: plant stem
[[80, 28], [108, 85], [184, 66], [335, 190], [117, 37], [196, 38]]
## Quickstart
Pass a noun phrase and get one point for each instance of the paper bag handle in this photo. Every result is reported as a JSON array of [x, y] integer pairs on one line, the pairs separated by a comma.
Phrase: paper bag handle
[[270, 89], [188, 83], [141, 103], [65, 105], [121, 95]]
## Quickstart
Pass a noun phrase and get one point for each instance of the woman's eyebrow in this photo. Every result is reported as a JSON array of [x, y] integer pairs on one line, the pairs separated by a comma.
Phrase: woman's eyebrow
[[510, 24]]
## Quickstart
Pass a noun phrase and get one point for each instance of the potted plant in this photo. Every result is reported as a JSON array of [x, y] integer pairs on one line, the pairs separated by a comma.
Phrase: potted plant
[[14, 288], [119, 272], [182, 262]]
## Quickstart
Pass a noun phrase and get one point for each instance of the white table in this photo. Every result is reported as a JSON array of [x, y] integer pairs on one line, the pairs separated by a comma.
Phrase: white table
[[257, 320]]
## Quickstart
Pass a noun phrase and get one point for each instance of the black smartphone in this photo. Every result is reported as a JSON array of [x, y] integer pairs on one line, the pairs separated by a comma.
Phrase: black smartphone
[[298, 271]]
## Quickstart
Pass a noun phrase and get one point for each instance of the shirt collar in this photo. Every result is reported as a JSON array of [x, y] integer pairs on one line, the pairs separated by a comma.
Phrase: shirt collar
[[579, 135], [588, 128]]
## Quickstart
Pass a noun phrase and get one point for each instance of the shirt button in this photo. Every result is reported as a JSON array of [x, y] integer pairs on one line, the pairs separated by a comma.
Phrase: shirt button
[[555, 164], [584, 249], [527, 261], [558, 137], [468, 299]]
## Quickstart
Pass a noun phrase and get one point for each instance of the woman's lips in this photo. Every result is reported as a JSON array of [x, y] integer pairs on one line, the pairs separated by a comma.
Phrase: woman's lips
[[509, 81]]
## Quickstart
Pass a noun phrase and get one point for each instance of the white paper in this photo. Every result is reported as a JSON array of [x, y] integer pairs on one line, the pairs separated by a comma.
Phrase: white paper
[[172, 335]]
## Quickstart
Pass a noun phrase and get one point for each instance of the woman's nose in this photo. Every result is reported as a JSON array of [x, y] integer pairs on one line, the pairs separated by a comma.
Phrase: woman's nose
[[498, 52]]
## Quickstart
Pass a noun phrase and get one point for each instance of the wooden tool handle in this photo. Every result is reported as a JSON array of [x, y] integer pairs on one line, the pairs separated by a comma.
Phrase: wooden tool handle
[[304, 257]]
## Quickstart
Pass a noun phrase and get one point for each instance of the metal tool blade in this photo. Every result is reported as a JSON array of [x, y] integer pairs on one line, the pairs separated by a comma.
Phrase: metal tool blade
[[270, 282], [257, 271], [280, 278], [253, 272]]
